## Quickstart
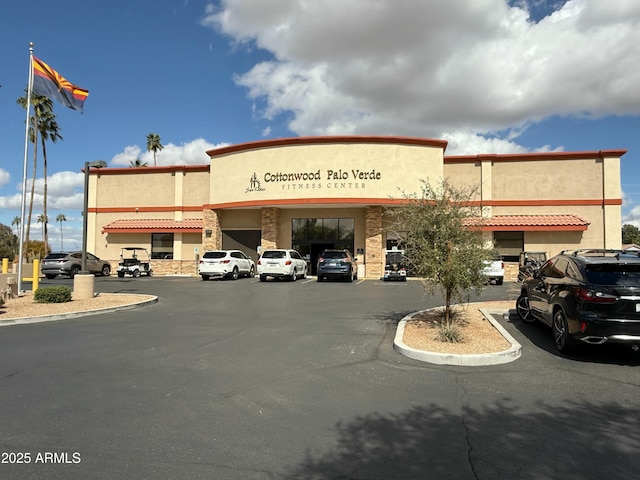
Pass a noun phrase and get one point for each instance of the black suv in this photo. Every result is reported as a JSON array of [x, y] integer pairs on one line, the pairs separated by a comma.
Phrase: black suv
[[591, 296], [337, 264]]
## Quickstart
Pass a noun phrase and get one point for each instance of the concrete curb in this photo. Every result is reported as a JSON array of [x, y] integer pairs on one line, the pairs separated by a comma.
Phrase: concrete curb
[[469, 360], [70, 315]]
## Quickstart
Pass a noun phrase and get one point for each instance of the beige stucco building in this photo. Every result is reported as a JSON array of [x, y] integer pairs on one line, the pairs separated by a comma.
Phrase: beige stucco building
[[332, 192]]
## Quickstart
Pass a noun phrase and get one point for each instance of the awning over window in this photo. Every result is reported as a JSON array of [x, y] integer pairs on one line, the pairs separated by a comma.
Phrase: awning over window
[[135, 225], [532, 223]]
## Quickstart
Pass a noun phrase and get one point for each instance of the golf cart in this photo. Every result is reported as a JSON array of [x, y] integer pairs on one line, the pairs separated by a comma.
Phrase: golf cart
[[529, 262], [394, 266], [134, 261]]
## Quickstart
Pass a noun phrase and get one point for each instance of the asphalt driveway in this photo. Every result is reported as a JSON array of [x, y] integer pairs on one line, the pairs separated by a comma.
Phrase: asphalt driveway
[[282, 380]]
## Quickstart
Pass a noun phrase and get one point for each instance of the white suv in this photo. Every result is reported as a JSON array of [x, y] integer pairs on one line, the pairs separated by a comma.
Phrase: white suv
[[280, 262], [225, 263]]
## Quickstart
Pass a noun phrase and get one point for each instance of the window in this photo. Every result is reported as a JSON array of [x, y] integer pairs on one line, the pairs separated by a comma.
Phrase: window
[[509, 245], [162, 245]]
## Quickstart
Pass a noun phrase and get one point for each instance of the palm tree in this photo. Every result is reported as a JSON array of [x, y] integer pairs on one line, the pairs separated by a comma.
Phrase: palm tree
[[154, 145], [137, 163], [41, 104], [16, 222], [42, 218], [49, 130], [61, 218]]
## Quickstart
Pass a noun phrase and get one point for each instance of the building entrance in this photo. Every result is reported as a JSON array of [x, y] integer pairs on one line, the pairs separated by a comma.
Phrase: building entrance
[[310, 236]]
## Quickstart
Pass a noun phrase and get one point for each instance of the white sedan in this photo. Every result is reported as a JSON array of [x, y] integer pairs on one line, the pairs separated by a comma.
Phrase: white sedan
[[226, 264]]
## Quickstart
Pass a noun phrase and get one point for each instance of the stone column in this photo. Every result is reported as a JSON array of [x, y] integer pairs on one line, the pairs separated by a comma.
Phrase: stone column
[[211, 224], [373, 242], [270, 227]]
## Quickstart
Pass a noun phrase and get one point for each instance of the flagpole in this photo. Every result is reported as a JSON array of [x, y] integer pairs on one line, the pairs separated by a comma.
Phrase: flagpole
[[24, 171]]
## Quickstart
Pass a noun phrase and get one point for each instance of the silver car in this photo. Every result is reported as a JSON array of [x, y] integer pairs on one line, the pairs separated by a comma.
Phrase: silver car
[[281, 263], [70, 263]]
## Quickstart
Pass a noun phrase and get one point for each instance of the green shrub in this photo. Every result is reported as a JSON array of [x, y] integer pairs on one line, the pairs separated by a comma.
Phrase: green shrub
[[59, 294]]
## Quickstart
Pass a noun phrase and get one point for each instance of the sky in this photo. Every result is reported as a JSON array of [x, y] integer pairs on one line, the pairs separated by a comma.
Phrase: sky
[[488, 76]]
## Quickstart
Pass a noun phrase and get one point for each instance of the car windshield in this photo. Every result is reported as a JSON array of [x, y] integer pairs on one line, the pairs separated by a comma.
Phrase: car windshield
[[56, 256], [615, 274], [214, 255], [394, 257], [274, 254], [334, 255]]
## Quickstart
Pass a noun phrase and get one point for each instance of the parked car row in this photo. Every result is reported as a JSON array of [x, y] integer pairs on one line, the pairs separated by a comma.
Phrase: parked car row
[[277, 263]]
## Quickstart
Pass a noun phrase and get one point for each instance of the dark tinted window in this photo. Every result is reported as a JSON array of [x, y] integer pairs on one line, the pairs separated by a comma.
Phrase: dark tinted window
[[214, 255], [274, 254], [616, 274], [334, 254], [295, 255], [56, 256]]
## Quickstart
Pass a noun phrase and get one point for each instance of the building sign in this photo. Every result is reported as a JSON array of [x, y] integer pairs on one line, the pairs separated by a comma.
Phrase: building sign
[[314, 180]]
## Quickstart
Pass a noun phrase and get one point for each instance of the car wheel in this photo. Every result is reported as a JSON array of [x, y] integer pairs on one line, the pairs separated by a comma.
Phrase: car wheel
[[499, 281], [523, 309], [50, 277], [234, 274], [561, 335], [106, 270], [74, 271], [205, 277], [350, 277], [252, 273], [294, 275], [136, 273], [263, 278], [120, 274]]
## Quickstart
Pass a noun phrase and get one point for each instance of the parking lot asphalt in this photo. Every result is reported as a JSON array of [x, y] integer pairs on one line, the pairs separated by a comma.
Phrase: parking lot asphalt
[[289, 380]]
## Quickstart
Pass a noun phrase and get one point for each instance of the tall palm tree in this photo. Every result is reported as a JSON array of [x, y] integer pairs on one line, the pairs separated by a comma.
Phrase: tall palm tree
[[49, 130], [16, 223], [42, 218], [61, 218], [41, 104], [154, 145]]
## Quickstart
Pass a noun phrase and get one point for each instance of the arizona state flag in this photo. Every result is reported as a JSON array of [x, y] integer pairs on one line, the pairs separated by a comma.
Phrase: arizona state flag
[[49, 83]]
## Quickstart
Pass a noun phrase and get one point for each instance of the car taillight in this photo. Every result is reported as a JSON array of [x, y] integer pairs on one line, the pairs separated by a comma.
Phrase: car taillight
[[259, 262], [288, 262], [595, 296], [201, 261], [225, 261], [320, 259]]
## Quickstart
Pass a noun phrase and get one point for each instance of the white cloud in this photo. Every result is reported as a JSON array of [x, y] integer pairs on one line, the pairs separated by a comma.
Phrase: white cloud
[[192, 153], [422, 68], [632, 217]]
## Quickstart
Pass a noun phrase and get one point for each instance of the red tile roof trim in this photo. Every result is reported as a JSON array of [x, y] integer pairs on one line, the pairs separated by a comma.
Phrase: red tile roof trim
[[531, 223], [156, 225]]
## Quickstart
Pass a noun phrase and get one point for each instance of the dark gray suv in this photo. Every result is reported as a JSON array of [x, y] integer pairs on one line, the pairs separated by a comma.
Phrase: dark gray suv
[[590, 296], [70, 263], [337, 264]]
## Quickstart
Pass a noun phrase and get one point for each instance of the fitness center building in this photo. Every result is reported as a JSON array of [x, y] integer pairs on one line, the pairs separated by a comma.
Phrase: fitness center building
[[312, 193]]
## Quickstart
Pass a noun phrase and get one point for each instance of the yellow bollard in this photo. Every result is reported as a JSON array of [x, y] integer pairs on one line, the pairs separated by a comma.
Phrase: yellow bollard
[[36, 275], [5, 265]]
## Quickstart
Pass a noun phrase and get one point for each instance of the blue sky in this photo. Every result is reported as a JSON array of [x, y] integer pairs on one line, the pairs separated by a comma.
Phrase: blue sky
[[489, 76]]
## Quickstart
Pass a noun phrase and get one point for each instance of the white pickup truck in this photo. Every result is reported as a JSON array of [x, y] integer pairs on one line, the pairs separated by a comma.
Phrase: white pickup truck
[[494, 270]]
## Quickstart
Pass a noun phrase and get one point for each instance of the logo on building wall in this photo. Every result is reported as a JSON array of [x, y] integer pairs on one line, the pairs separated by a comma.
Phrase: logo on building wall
[[254, 184]]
